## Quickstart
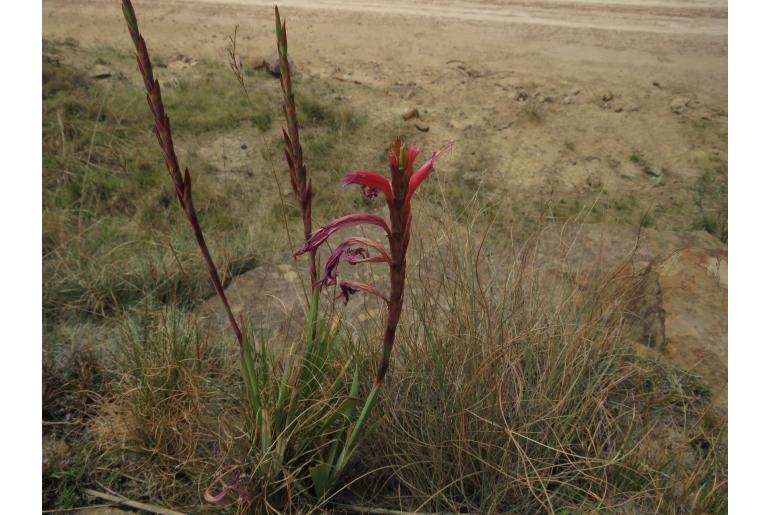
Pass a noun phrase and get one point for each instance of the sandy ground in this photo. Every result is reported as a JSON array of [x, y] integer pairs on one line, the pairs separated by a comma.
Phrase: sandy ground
[[600, 78], [618, 42]]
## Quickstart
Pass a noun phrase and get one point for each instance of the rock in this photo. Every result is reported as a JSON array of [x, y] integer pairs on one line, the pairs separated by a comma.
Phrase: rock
[[100, 72], [411, 113], [654, 170], [272, 64], [243, 146], [656, 84], [521, 95], [576, 91], [632, 107], [682, 310], [607, 96], [263, 297], [679, 105], [618, 108], [550, 99], [423, 127], [569, 99], [693, 284]]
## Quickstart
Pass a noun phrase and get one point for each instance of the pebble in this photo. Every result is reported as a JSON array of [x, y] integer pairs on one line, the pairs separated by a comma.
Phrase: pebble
[[520, 95], [411, 113], [100, 71], [423, 127], [679, 105], [654, 170]]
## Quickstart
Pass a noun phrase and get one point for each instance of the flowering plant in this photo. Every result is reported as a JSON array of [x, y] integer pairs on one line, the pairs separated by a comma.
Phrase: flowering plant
[[289, 426], [398, 192]]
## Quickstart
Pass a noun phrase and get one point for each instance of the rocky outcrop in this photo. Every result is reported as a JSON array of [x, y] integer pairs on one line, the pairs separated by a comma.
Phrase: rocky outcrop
[[680, 310]]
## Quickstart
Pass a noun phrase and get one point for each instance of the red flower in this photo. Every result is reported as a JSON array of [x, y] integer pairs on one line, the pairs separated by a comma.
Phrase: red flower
[[401, 160], [422, 173], [370, 179]]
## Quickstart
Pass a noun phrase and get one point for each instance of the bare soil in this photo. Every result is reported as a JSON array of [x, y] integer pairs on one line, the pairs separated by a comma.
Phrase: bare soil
[[599, 80]]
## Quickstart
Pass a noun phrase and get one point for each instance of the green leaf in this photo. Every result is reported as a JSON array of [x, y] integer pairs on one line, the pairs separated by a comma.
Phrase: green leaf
[[247, 365], [321, 475]]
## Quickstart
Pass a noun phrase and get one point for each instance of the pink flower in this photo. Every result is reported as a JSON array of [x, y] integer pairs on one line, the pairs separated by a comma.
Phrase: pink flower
[[354, 256], [322, 234]]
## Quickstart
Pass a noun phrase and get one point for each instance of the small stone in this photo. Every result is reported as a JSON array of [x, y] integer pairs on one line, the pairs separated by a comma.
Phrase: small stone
[[521, 95], [272, 64], [632, 107], [653, 170], [618, 108], [607, 96], [423, 127], [656, 84], [550, 99], [679, 105], [243, 146], [411, 113], [569, 99], [100, 72], [576, 91]]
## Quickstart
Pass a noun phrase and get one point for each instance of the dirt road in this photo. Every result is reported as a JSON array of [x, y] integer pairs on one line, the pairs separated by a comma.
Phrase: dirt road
[[619, 41]]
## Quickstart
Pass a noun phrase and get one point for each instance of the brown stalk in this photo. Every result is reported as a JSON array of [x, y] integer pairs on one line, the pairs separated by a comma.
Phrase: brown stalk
[[300, 182], [182, 183]]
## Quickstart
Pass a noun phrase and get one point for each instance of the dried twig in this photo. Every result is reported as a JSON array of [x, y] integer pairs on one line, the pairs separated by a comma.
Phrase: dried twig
[[149, 508]]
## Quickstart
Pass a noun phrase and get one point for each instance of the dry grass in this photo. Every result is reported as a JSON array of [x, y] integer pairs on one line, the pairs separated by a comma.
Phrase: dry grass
[[514, 389], [517, 390]]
